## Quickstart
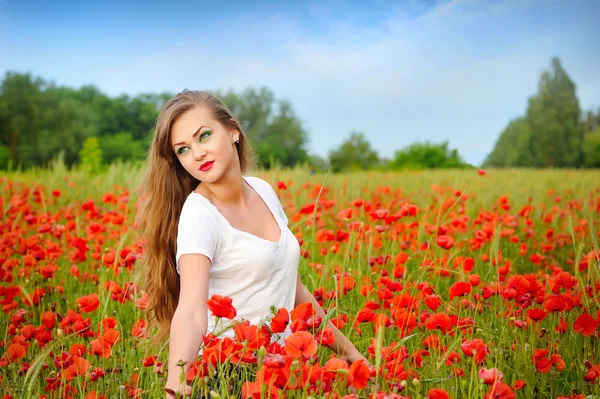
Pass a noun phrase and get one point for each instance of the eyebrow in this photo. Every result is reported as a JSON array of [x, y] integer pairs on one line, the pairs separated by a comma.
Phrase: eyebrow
[[194, 135]]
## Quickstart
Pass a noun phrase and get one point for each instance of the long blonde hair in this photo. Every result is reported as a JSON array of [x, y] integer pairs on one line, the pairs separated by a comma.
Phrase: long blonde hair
[[164, 187]]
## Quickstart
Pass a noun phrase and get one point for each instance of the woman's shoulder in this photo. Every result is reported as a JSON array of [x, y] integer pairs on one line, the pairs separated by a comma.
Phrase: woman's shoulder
[[196, 205], [261, 183]]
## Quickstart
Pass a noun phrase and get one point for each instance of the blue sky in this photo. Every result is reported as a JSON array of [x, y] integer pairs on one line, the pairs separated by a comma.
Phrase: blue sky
[[401, 72]]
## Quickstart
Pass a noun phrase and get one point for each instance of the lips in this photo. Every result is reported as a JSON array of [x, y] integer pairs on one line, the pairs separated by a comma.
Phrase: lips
[[206, 166]]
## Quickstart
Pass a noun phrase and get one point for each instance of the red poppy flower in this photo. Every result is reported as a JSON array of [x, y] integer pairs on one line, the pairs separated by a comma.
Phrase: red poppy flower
[[94, 395], [500, 391], [382, 320], [254, 336], [103, 345], [79, 366], [139, 329], [453, 357], [592, 373], [433, 302], [437, 393], [78, 349], [365, 315], [564, 280], [335, 364], [109, 257], [459, 288], [439, 321], [221, 306], [359, 374], [280, 321], [489, 376], [301, 343], [475, 348], [274, 360], [468, 264], [405, 321], [345, 214], [88, 303], [254, 390], [445, 242], [307, 209], [585, 324], [149, 361], [555, 304], [474, 279], [49, 319], [325, 337], [16, 351], [302, 312], [536, 314]]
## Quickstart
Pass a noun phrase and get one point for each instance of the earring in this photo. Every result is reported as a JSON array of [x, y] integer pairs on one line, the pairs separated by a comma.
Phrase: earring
[[237, 141]]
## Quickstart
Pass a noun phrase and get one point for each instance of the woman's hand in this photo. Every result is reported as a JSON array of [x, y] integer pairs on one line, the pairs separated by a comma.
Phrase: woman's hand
[[172, 394], [353, 356]]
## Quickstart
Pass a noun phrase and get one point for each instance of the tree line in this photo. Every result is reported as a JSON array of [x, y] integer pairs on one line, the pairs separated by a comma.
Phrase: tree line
[[554, 132], [40, 120]]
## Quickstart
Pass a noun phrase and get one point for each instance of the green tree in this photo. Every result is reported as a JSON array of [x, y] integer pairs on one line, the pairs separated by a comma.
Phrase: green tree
[[38, 120], [21, 107], [121, 146], [427, 156], [512, 148], [556, 132], [278, 137], [252, 108], [592, 149], [317, 163], [591, 122], [355, 153], [67, 123], [284, 139], [4, 160], [90, 156]]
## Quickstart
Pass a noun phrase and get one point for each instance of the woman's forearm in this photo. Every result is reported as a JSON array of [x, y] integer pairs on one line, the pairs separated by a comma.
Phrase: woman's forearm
[[185, 340]]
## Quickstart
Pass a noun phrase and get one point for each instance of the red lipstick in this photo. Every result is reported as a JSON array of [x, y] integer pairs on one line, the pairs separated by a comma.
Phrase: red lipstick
[[206, 166]]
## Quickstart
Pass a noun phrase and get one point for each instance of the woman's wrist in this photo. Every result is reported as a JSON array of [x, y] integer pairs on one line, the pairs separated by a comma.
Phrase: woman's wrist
[[350, 353]]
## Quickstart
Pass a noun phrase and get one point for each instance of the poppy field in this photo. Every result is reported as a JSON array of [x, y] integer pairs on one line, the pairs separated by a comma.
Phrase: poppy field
[[453, 284]]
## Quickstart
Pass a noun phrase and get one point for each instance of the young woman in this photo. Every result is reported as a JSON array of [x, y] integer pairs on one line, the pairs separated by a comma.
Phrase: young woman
[[211, 230]]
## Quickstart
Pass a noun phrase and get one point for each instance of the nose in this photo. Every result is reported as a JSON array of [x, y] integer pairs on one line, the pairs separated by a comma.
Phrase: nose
[[199, 152]]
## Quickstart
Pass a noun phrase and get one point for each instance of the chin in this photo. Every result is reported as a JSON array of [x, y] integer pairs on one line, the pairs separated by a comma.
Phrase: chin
[[210, 177]]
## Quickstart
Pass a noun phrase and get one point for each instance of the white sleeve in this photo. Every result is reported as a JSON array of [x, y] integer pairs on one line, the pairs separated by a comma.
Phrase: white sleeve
[[197, 232]]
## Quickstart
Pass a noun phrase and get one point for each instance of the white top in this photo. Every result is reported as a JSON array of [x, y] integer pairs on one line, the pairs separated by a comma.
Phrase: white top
[[256, 273]]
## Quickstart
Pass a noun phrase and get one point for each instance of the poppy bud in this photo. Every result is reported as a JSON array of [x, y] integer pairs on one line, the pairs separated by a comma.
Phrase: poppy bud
[[262, 352]]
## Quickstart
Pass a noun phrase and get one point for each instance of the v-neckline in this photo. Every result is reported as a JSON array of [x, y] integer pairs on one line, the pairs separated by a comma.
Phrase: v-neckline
[[278, 243]]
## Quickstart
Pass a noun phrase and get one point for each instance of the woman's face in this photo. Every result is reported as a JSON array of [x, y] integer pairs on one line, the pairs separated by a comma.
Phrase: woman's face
[[204, 147]]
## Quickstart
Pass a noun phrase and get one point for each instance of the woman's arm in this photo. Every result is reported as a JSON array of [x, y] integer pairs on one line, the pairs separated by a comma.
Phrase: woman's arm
[[342, 345], [190, 320]]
